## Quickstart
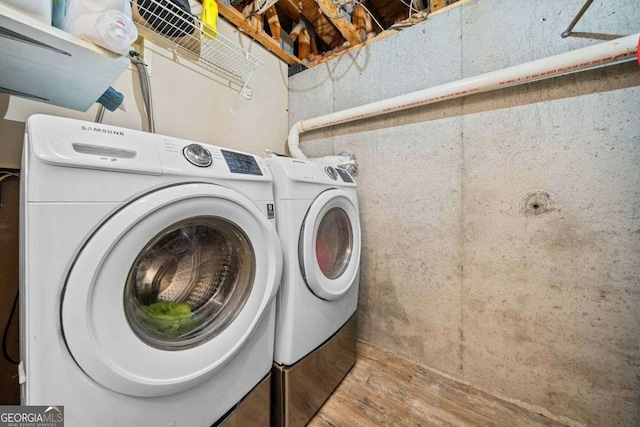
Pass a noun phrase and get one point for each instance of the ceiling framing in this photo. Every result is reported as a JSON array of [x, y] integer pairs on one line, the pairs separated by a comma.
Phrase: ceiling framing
[[310, 32]]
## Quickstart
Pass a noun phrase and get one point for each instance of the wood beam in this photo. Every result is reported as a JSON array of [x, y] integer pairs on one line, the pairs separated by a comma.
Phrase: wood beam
[[314, 45], [308, 9], [346, 29], [304, 45], [274, 22], [291, 7], [255, 20], [362, 22], [446, 4], [437, 5], [452, 4], [375, 19], [382, 35], [296, 31], [387, 12], [236, 18]]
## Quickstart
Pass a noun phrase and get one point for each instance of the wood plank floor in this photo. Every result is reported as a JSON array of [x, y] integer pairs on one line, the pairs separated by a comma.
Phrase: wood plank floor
[[384, 390]]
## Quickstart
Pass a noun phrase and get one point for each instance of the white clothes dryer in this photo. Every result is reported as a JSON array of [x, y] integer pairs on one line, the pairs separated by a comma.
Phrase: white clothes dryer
[[149, 268], [319, 228]]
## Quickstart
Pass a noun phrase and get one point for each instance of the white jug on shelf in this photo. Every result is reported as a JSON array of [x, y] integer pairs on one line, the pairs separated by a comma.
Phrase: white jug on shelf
[[107, 23]]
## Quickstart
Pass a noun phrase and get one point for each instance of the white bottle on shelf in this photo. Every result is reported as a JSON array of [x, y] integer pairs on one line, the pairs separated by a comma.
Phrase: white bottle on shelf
[[107, 23]]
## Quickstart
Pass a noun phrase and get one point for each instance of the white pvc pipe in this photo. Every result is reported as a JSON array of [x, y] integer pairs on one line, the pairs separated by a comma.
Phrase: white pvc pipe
[[603, 54]]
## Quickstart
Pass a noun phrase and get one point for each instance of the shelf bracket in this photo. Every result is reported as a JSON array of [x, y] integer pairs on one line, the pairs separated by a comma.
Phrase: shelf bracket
[[245, 86]]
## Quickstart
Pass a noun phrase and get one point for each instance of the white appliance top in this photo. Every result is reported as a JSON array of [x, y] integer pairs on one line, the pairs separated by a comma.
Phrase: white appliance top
[[74, 143], [311, 172]]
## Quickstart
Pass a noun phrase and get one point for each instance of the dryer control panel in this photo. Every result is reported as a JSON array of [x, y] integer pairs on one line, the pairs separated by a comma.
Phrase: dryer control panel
[[344, 175], [310, 171]]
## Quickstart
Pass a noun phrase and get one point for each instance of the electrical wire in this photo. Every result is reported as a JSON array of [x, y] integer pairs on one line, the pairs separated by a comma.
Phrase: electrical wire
[[262, 9], [371, 15], [329, 15], [339, 6], [356, 3], [5, 352], [410, 6]]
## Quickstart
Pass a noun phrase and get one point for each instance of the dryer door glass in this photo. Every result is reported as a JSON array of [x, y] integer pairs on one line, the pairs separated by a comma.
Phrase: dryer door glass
[[189, 282], [334, 243]]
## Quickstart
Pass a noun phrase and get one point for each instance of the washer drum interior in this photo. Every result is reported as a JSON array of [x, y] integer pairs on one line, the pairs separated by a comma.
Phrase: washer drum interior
[[189, 282]]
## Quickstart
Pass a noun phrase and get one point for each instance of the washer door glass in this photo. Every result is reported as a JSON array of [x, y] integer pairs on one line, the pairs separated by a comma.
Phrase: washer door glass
[[189, 283], [334, 243], [329, 245]]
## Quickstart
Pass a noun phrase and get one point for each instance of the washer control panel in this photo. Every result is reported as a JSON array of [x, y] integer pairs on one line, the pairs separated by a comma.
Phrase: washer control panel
[[241, 163], [198, 155]]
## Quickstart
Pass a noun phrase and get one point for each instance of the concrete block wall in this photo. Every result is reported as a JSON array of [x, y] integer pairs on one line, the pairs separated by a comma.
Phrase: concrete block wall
[[459, 270]]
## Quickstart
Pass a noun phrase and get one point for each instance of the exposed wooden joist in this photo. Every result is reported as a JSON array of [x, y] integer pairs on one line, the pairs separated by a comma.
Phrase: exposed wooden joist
[[362, 22], [291, 8], [297, 30], [387, 12], [256, 21], [314, 45], [236, 18], [437, 5], [310, 11], [452, 4], [346, 29], [274, 22], [304, 45], [382, 35], [377, 21]]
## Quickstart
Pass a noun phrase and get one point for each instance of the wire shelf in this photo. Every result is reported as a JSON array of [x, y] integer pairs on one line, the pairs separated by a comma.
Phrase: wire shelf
[[196, 41]]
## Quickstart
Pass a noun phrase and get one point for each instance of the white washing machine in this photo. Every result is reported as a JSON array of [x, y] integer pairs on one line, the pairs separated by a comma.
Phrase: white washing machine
[[149, 269], [319, 228]]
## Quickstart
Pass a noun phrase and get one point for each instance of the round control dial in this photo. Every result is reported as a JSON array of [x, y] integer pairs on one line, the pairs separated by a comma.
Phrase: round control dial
[[198, 155], [333, 174]]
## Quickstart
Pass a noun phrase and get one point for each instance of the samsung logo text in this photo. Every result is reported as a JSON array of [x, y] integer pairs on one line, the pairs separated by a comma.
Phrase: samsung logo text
[[101, 130]]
